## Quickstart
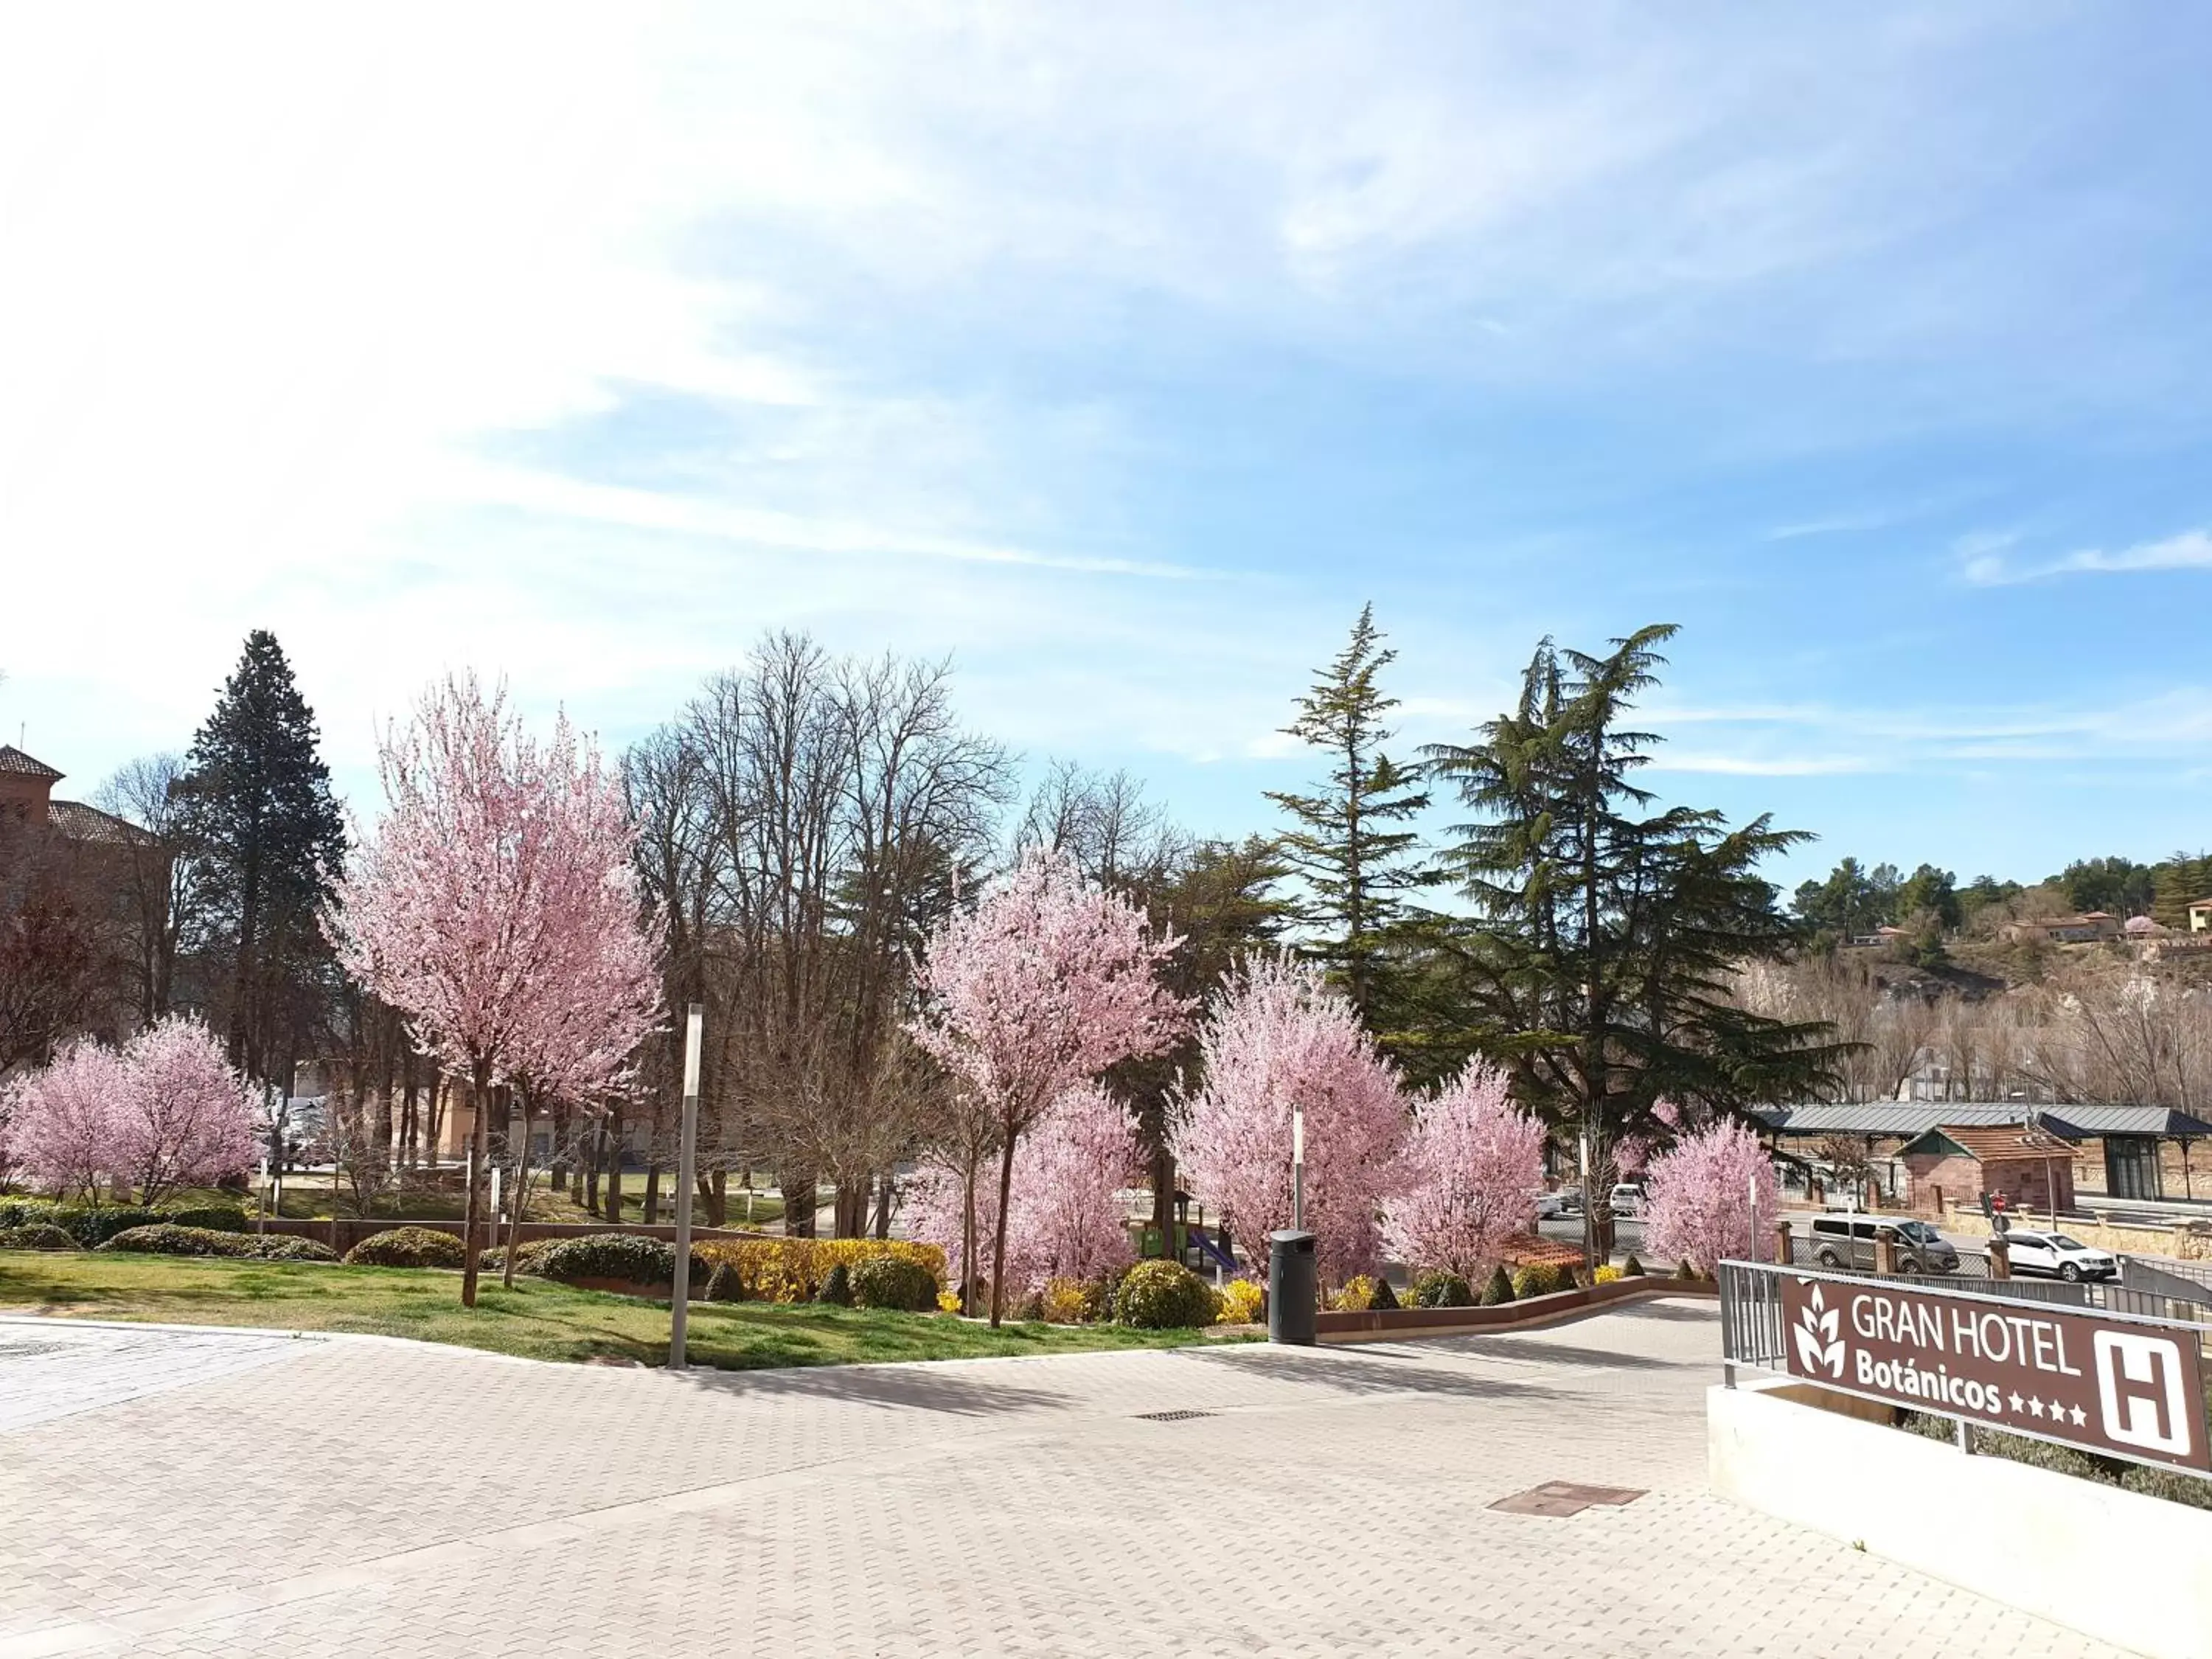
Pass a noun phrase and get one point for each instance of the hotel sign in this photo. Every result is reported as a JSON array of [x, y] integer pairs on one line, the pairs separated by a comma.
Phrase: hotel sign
[[2103, 1384]]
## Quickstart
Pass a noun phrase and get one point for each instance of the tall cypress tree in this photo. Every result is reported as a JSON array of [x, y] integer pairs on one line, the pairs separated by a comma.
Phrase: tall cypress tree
[[1596, 965], [262, 824], [1348, 849]]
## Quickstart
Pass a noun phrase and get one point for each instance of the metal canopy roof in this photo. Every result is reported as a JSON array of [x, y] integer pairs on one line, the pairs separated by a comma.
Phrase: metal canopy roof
[[1908, 1118]]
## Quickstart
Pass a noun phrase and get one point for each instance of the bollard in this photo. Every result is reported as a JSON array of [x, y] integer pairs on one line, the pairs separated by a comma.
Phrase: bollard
[[1784, 1253], [2000, 1256], [1293, 1286], [1885, 1250]]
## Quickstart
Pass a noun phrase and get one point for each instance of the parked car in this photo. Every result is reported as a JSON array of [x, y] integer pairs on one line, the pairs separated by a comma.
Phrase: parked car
[[1627, 1199], [2055, 1253], [1845, 1239], [1551, 1207]]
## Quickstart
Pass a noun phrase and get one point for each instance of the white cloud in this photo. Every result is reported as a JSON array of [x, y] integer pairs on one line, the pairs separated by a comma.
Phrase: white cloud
[[2192, 550]]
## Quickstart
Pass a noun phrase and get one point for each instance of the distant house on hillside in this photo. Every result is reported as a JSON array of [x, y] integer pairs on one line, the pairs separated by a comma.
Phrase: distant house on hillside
[[2085, 929], [2200, 916]]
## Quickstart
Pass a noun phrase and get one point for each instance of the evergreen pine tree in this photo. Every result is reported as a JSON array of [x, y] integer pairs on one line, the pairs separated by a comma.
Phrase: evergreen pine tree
[[1348, 849], [263, 829], [1597, 965]]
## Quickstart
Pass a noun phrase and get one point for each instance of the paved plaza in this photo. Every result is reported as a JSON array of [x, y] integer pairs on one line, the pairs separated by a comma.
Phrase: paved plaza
[[194, 1493]]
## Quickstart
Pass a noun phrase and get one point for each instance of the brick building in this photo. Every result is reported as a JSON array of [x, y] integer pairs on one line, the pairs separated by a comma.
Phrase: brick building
[[1960, 1164]]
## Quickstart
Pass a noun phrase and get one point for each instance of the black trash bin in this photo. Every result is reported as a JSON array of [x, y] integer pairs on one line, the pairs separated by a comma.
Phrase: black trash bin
[[1292, 1287]]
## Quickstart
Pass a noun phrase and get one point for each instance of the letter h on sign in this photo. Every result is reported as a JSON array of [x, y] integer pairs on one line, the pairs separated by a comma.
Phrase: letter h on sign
[[2141, 1386]]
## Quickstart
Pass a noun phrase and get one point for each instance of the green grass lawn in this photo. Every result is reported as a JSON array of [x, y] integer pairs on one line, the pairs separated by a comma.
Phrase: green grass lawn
[[537, 1320]]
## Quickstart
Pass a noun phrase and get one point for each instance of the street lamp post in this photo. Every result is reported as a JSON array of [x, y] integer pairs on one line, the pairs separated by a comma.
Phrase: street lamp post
[[679, 1305], [1298, 1168]]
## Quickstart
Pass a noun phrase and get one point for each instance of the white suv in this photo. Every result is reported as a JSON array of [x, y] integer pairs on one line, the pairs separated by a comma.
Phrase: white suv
[[2055, 1253]]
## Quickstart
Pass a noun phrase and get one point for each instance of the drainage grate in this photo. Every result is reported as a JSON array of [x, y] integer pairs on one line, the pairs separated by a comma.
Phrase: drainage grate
[[1170, 1417], [1563, 1497]]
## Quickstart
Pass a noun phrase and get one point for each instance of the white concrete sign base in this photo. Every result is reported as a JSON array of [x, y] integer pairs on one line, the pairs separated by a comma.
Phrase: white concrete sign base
[[2114, 1565]]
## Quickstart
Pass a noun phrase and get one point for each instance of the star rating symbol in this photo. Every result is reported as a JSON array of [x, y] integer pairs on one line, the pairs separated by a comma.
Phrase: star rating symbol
[[2057, 1412], [2018, 1405], [2079, 1416], [2036, 1406]]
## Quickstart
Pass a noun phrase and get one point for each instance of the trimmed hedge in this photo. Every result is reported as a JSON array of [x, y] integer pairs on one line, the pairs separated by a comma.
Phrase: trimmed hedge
[[35, 1236], [837, 1287], [408, 1247], [1499, 1291], [166, 1238], [793, 1269], [1162, 1296], [1543, 1278], [93, 1225], [896, 1282]]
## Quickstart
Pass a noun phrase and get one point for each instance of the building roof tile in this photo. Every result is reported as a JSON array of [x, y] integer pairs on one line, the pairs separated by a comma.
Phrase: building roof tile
[[14, 760]]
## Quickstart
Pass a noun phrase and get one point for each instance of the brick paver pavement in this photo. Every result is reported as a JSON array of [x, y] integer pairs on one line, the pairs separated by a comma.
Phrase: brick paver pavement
[[350, 1498]]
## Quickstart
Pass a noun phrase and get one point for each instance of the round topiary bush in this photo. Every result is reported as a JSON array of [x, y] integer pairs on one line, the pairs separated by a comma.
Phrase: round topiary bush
[[282, 1247], [35, 1236], [1162, 1296], [1499, 1290], [837, 1287], [886, 1281], [526, 1257], [1442, 1288], [219, 1218], [408, 1247], [1631, 1268], [166, 1238], [629, 1258], [725, 1284]]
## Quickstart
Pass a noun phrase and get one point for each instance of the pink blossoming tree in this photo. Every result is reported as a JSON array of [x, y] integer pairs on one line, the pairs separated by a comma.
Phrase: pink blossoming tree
[[1067, 1220], [185, 1117], [1040, 987], [1279, 1038], [482, 907], [63, 1121], [167, 1111], [1702, 1206], [1472, 1165]]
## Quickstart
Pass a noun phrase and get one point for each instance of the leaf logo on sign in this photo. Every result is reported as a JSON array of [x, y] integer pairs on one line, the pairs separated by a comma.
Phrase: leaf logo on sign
[[1819, 1345]]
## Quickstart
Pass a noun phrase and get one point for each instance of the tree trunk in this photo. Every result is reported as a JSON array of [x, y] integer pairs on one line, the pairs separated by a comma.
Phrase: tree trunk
[[718, 1200], [999, 1239], [1164, 1192], [437, 1112], [614, 1165], [883, 1194], [849, 1218], [651, 1192], [799, 1196], [968, 1240], [598, 1157], [472, 1213]]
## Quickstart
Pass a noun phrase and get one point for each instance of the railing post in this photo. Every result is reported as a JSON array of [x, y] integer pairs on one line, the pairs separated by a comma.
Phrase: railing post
[[2000, 1256], [1785, 1252]]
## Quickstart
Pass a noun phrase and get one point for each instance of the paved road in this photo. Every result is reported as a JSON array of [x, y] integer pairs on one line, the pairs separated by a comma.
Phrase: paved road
[[347, 1498]]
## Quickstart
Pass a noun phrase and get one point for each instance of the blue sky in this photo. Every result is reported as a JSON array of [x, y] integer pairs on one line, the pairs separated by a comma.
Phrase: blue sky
[[1123, 358]]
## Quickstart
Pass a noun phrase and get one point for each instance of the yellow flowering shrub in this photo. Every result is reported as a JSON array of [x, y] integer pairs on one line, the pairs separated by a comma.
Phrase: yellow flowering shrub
[[1608, 1274], [948, 1302], [1072, 1302], [1241, 1302]]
